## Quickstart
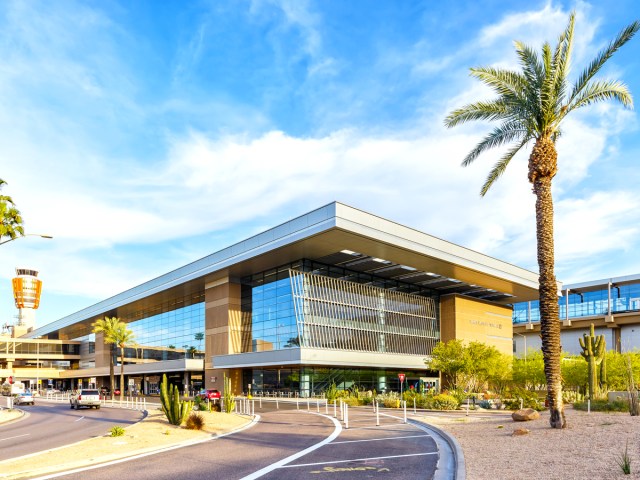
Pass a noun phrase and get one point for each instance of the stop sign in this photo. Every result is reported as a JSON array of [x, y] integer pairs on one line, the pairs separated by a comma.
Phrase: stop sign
[[11, 380], [401, 377]]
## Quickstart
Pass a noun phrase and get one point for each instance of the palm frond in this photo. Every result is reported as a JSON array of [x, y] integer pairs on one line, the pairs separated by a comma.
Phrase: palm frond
[[583, 80], [503, 134], [562, 58], [504, 82], [604, 90], [533, 71], [487, 110], [499, 168]]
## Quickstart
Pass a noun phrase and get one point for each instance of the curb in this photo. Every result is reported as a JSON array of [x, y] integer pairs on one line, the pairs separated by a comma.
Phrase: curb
[[455, 451]]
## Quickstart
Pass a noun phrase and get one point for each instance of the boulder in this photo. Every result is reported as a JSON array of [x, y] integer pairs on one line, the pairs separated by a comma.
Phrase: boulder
[[525, 415], [520, 431]]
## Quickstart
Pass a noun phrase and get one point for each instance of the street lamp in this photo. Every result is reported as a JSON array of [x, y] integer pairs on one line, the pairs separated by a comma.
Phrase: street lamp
[[26, 235]]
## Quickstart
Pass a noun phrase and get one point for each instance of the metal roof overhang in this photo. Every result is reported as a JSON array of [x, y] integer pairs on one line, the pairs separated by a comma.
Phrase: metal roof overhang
[[336, 234]]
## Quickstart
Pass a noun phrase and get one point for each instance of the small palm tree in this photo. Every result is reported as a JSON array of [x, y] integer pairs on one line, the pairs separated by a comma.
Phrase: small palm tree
[[123, 337], [199, 337], [531, 104], [10, 218], [108, 326]]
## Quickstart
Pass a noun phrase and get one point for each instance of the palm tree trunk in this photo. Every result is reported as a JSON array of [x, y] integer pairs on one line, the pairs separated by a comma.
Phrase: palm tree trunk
[[112, 375], [542, 168], [121, 373]]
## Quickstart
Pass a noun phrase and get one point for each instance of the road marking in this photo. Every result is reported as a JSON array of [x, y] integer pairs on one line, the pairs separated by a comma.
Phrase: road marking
[[400, 426], [79, 419], [380, 439], [295, 456], [17, 436], [359, 460]]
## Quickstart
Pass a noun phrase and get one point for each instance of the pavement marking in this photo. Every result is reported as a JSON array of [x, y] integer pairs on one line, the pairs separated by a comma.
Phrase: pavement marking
[[17, 436], [359, 460], [379, 439], [141, 455], [393, 425], [79, 419], [295, 456]]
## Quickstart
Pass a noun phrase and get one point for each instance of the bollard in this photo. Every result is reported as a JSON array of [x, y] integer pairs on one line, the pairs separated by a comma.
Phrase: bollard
[[346, 416], [144, 403], [341, 410], [326, 407], [414, 405], [467, 414], [521, 400], [260, 399], [589, 406], [277, 406], [318, 406], [307, 404], [404, 408], [335, 414], [297, 404], [377, 415], [253, 408]]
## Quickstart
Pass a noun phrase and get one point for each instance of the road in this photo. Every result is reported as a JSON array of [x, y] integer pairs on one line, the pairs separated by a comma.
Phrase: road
[[53, 424], [275, 449]]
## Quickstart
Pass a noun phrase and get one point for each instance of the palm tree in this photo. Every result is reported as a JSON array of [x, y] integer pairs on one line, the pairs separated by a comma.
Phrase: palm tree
[[108, 326], [10, 218], [531, 104], [199, 337], [123, 337]]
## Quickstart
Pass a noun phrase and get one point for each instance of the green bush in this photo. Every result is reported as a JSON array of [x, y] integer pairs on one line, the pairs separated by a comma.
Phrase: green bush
[[195, 421], [116, 431], [351, 401], [569, 396], [603, 406], [366, 400], [445, 402], [199, 403], [529, 400], [486, 404], [331, 393]]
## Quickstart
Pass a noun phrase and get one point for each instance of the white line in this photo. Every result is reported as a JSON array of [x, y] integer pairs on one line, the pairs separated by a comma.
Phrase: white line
[[134, 457], [401, 425], [379, 439], [79, 419], [359, 460], [295, 456], [17, 436]]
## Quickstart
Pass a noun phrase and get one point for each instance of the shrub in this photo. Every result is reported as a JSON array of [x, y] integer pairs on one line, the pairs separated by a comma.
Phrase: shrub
[[569, 396], [351, 401], [603, 406], [527, 398], [389, 400], [195, 421], [199, 403], [366, 400], [331, 393], [116, 431], [445, 402], [487, 404]]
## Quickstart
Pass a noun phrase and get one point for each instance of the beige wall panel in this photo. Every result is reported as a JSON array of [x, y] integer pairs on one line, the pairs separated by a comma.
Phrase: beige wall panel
[[476, 320], [102, 351]]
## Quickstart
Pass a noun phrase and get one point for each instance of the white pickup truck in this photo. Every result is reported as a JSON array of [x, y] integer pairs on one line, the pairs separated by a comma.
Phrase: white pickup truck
[[85, 398]]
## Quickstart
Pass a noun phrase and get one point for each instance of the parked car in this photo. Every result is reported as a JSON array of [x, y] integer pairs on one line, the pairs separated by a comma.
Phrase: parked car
[[23, 398], [85, 398], [209, 394]]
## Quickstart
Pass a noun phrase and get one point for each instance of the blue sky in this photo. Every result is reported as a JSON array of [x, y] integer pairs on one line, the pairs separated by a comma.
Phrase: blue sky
[[145, 135]]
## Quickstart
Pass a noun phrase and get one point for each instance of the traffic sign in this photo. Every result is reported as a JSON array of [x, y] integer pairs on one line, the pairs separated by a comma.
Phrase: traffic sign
[[401, 377]]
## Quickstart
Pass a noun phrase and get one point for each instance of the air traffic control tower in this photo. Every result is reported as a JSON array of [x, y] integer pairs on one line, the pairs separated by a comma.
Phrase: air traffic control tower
[[26, 292]]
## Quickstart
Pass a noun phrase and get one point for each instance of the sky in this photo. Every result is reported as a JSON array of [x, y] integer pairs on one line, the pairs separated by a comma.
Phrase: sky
[[145, 135]]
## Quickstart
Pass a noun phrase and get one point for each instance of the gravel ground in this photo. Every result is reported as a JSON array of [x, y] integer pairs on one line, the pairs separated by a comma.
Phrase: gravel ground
[[589, 448]]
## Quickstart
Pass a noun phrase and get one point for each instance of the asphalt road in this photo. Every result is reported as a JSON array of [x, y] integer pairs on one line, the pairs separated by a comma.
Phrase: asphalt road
[[53, 424], [391, 450]]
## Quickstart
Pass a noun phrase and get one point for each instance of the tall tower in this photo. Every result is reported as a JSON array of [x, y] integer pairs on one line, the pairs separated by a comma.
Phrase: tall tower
[[26, 292]]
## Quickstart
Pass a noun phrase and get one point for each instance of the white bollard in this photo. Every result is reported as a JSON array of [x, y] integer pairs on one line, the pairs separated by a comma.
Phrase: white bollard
[[521, 403], [297, 404], [589, 406], [346, 416], [308, 408], [326, 407], [318, 406], [378, 416], [404, 408], [414, 405], [335, 413], [253, 408], [260, 399], [277, 407]]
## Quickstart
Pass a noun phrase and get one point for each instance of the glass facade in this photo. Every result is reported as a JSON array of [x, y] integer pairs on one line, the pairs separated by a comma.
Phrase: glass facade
[[309, 381], [624, 298], [320, 306]]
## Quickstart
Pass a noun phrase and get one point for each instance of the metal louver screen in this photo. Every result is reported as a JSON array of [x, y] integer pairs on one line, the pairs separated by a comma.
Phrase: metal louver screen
[[340, 315]]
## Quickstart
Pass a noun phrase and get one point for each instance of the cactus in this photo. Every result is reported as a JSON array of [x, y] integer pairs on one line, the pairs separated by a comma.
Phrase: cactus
[[603, 371], [593, 351], [175, 409], [228, 402]]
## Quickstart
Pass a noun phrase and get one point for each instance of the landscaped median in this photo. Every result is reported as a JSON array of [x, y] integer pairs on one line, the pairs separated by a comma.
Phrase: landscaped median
[[152, 433]]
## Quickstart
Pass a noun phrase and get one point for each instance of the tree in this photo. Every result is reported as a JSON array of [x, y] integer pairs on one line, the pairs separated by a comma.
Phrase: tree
[[122, 337], [531, 104], [198, 338], [108, 326], [10, 218]]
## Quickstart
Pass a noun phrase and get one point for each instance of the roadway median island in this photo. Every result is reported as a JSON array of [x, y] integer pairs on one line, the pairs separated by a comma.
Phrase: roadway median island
[[150, 434]]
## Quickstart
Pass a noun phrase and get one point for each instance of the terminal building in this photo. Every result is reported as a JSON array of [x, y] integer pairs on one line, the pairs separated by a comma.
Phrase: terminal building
[[337, 295], [611, 304]]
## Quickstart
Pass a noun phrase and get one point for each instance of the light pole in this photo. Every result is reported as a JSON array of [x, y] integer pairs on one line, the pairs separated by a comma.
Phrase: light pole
[[26, 235]]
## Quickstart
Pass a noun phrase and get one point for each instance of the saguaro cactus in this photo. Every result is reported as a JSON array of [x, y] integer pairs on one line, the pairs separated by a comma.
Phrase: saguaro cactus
[[175, 409], [593, 351], [228, 402]]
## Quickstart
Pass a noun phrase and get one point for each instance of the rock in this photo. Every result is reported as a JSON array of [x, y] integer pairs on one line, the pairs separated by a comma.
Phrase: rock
[[520, 431], [525, 415]]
